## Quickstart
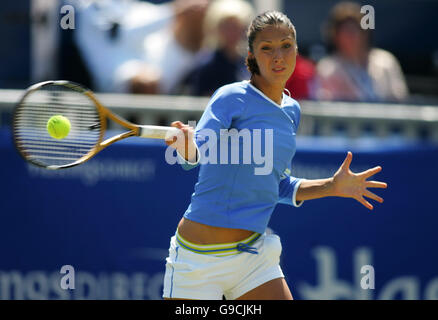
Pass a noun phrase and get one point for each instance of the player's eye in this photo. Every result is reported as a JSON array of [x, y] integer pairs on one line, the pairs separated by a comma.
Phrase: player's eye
[[287, 45], [266, 48]]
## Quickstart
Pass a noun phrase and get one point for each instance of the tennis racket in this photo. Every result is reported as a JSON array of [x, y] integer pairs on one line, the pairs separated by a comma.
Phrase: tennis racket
[[88, 119]]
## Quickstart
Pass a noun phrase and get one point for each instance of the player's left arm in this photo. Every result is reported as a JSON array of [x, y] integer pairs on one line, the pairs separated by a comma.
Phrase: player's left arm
[[287, 191], [344, 183]]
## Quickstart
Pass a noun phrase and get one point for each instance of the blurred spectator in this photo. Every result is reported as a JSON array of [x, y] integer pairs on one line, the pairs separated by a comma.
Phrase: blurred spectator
[[139, 47], [169, 53], [301, 82], [355, 71], [223, 60], [109, 33]]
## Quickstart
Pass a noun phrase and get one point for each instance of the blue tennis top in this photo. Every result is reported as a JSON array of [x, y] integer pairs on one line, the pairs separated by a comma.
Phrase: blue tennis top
[[245, 143]]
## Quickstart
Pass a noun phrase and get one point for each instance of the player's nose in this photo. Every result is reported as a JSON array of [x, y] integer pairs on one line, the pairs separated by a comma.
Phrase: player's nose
[[277, 56]]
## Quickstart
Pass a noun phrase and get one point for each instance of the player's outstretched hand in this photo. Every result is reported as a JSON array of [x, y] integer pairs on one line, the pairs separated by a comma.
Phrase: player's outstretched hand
[[348, 184]]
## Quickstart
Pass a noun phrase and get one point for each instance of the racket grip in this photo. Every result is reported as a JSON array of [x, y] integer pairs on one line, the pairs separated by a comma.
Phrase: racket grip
[[158, 132]]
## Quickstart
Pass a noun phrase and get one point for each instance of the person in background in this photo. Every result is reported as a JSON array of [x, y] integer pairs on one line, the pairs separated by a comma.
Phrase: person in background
[[109, 33], [356, 71], [169, 54], [139, 47], [301, 83], [224, 47]]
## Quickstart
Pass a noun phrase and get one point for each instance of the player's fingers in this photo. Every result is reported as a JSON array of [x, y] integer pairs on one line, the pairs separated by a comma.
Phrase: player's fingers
[[171, 140], [182, 126], [365, 203], [373, 196], [180, 135], [370, 172], [376, 184], [177, 124], [347, 161], [187, 130]]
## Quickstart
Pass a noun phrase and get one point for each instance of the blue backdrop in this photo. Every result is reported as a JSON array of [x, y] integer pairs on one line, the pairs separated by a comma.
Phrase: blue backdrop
[[111, 220]]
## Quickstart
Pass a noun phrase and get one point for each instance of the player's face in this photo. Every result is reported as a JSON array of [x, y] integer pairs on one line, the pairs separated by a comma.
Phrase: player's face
[[275, 51]]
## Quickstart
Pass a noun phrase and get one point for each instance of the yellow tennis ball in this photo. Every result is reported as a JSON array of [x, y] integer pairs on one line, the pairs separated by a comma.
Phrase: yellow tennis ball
[[58, 127]]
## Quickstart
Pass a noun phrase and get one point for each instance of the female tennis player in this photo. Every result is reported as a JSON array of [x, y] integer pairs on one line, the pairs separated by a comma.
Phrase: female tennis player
[[220, 246]]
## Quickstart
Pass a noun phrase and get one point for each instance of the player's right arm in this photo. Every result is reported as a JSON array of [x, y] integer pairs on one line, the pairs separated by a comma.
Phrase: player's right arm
[[225, 105]]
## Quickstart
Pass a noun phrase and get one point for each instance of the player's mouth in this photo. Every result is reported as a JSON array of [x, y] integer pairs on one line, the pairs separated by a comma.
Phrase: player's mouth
[[279, 69]]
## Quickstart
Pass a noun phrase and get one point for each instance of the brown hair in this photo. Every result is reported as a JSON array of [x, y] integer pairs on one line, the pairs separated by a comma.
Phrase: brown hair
[[268, 18]]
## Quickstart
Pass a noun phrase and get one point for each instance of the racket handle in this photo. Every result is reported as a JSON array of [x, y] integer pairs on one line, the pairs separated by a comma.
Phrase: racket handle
[[158, 132]]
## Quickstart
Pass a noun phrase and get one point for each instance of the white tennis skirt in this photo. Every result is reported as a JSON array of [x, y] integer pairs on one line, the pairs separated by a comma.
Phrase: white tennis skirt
[[208, 272]]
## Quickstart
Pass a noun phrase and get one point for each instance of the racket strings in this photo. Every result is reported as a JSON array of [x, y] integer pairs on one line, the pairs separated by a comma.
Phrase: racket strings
[[30, 125]]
